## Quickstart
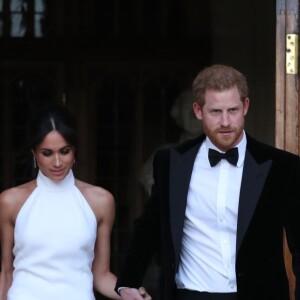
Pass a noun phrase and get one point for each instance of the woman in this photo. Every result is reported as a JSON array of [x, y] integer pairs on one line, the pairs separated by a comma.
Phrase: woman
[[55, 230]]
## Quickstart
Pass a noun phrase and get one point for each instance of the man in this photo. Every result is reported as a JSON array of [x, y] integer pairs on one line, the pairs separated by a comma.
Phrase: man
[[219, 221]]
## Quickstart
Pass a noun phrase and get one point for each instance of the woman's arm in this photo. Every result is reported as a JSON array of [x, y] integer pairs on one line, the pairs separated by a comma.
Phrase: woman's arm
[[104, 209], [7, 212], [103, 206]]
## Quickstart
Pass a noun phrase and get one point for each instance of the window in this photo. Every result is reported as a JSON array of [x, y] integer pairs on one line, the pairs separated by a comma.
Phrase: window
[[23, 18], [1, 18]]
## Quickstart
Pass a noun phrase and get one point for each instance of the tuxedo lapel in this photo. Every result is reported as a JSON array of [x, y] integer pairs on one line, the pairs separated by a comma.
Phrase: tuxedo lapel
[[181, 166], [253, 180]]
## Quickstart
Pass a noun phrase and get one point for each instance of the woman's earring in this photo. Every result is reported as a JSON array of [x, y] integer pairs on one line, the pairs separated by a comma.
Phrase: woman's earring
[[34, 162]]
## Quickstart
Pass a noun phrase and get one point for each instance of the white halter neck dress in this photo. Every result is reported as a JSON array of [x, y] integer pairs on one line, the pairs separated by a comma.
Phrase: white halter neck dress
[[55, 234]]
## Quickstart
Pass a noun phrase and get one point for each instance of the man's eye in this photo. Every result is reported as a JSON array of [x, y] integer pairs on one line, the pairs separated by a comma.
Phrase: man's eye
[[215, 111]]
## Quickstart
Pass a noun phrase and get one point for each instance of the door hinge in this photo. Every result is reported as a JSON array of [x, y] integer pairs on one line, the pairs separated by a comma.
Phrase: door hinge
[[291, 53]]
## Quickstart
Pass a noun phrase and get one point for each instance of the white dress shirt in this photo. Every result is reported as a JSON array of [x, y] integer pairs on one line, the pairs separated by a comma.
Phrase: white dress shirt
[[207, 259]]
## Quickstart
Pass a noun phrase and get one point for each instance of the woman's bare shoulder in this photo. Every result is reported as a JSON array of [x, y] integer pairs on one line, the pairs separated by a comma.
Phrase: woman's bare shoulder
[[100, 200], [93, 192], [16, 196]]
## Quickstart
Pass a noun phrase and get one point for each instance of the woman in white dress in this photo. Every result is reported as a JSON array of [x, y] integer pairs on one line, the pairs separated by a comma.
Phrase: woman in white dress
[[55, 230]]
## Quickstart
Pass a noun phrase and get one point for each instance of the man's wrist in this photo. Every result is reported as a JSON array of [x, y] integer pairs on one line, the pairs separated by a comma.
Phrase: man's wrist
[[120, 288]]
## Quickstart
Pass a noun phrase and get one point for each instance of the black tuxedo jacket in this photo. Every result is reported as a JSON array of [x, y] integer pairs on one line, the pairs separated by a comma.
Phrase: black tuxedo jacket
[[269, 203]]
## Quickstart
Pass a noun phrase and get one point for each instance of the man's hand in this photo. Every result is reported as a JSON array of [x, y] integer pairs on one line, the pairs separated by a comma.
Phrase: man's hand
[[134, 294]]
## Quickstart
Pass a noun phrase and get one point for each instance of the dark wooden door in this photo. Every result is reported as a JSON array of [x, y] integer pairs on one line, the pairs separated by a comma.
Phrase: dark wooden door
[[287, 96]]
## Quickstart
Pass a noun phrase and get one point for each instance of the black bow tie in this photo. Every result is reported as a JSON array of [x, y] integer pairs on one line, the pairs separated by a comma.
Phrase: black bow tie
[[232, 156]]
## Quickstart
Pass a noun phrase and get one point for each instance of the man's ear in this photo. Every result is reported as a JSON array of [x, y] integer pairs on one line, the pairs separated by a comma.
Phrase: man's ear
[[246, 105], [197, 110]]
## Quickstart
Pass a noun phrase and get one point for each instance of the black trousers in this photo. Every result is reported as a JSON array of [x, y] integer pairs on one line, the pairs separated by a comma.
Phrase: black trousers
[[182, 294]]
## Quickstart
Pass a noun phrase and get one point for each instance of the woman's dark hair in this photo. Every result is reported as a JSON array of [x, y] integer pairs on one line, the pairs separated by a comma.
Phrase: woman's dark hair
[[49, 119]]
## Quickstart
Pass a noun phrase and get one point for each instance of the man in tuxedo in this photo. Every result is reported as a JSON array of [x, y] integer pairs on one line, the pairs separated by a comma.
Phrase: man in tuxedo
[[219, 206]]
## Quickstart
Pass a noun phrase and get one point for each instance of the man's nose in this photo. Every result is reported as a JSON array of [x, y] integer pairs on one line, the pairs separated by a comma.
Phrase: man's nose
[[225, 120]]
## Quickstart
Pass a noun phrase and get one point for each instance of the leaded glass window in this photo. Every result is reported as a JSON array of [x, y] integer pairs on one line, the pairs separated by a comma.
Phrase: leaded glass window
[[24, 18]]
